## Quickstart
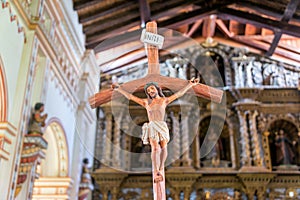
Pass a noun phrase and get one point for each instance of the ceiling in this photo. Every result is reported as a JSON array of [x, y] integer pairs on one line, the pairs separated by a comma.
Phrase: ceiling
[[114, 26]]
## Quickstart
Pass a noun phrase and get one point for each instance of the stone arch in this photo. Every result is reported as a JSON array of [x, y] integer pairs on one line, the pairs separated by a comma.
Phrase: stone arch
[[56, 162], [54, 181], [3, 94]]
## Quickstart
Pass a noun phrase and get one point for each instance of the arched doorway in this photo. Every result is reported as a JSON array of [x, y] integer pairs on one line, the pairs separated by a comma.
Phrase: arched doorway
[[54, 181]]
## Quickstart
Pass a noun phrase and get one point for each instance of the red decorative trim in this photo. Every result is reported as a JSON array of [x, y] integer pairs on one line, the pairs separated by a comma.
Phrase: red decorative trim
[[4, 5], [14, 17], [3, 94], [21, 178]]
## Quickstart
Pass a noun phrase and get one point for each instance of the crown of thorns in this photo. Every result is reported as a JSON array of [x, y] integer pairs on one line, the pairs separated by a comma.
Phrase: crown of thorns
[[149, 84]]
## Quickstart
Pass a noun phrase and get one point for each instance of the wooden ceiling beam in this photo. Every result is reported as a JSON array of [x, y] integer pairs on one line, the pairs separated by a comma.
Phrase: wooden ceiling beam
[[117, 32], [115, 41], [265, 46], [290, 10], [193, 16], [195, 26], [251, 30], [273, 12], [109, 25], [185, 18], [96, 16], [274, 44], [224, 28], [84, 4], [209, 26], [165, 8], [98, 37], [288, 14], [170, 45], [144, 12], [245, 17], [173, 23]]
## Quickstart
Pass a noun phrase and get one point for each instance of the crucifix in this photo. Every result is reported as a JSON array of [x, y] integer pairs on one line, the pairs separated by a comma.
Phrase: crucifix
[[156, 131]]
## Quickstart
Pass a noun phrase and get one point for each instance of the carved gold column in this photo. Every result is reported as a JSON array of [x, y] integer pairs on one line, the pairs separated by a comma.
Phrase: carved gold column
[[187, 193], [267, 156], [175, 193], [114, 193], [255, 145], [104, 195], [250, 194], [261, 193], [245, 154]]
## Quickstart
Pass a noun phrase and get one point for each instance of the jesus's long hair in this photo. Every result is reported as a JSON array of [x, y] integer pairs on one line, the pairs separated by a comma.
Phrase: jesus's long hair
[[159, 90]]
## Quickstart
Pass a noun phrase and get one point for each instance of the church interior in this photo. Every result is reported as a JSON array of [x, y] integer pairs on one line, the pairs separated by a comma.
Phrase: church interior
[[58, 144]]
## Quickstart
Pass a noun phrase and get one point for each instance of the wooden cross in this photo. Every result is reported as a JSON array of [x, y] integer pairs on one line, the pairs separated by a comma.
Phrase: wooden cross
[[174, 84]]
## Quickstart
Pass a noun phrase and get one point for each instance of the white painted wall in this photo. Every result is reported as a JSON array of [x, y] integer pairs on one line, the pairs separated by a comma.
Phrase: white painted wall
[[11, 47], [56, 106]]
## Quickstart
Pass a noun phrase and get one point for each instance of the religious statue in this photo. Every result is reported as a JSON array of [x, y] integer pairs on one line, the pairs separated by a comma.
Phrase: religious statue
[[37, 120], [215, 154], [156, 132], [284, 151], [86, 184]]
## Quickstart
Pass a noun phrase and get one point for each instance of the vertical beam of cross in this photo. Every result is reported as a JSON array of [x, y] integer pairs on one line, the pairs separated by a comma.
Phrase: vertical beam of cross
[[152, 51]]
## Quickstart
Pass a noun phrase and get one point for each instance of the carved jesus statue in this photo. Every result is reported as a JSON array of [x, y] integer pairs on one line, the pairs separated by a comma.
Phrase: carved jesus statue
[[156, 132]]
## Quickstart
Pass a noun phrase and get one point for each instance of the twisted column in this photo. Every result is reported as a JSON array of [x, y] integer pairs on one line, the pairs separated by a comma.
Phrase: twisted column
[[245, 155], [256, 151]]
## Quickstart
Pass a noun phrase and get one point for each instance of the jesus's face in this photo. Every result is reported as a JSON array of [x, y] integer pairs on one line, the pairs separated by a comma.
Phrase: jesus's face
[[152, 91]]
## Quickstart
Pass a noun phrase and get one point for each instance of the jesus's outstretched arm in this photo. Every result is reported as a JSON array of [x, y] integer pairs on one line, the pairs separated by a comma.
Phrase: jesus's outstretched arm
[[129, 96], [181, 92]]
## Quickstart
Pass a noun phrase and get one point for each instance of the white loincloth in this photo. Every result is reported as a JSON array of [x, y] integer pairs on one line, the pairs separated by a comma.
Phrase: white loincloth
[[156, 130]]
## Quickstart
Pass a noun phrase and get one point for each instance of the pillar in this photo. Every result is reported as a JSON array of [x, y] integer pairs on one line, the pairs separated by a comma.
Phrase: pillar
[[255, 146], [245, 155]]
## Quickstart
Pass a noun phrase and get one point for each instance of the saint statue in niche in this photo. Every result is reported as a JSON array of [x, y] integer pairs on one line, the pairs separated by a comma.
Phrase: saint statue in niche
[[284, 149], [37, 120]]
